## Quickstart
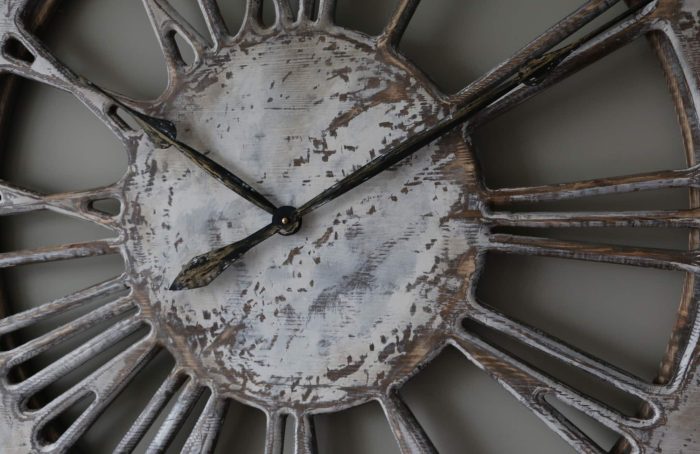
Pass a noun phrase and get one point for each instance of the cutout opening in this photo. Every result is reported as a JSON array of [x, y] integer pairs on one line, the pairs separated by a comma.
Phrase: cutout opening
[[108, 430], [587, 304], [244, 427], [41, 327], [64, 383], [14, 49], [623, 402], [233, 14], [601, 435], [366, 16], [110, 206], [572, 130], [460, 405], [53, 429], [359, 429], [184, 47]]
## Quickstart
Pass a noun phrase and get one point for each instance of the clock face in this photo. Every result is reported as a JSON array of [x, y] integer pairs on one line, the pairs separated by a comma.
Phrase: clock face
[[303, 222], [352, 301]]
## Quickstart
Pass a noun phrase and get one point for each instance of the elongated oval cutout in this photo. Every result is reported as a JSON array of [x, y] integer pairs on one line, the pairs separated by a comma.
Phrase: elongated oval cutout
[[459, 405], [622, 314]]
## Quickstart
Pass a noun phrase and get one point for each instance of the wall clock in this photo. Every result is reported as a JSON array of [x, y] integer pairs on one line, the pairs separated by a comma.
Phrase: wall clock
[[303, 222]]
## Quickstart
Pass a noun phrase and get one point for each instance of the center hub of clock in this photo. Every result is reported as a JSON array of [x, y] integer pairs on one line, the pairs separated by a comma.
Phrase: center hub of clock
[[288, 220], [361, 294]]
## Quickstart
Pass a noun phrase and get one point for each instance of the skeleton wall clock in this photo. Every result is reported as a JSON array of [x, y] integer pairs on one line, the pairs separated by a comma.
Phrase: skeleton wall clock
[[303, 223]]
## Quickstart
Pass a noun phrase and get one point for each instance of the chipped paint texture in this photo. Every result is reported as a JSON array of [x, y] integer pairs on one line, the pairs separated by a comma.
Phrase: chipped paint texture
[[354, 299]]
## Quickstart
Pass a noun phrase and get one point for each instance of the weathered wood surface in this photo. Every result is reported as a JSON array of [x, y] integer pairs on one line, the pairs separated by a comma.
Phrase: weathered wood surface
[[375, 283]]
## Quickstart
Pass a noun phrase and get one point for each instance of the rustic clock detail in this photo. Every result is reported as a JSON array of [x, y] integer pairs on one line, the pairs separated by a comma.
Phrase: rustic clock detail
[[303, 223]]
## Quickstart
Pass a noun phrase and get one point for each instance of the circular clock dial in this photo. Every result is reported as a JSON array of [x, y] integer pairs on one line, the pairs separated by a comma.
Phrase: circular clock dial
[[352, 300]]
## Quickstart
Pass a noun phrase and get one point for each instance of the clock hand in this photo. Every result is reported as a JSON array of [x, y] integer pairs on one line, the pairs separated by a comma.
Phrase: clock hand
[[202, 270], [533, 73], [213, 168], [165, 132]]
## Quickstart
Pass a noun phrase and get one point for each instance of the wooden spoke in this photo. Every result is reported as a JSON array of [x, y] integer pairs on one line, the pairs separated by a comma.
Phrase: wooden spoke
[[530, 386], [167, 22], [24, 319], [642, 182], [399, 23], [105, 384], [58, 253], [274, 433], [305, 435], [566, 353], [149, 414], [59, 335], [594, 50], [644, 257], [253, 14], [409, 434], [543, 43], [215, 22], [670, 219], [173, 422], [283, 10], [85, 352], [206, 430], [326, 11], [14, 200]]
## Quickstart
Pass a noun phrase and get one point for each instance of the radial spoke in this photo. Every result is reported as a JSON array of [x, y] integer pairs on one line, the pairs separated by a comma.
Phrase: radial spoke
[[215, 22], [283, 10], [167, 22], [106, 383], [253, 14], [274, 433], [58, 253], [14, 200], [305, 435], [643, 182], [203, 438], [61, 305], [543, 43], [149, 414], [590, 52], [173, 422], [559, 349], [326, 11], [645, 257], [71, 361], [399, 23], [59, 335], [669, 219], [530, 386], [409, 434]]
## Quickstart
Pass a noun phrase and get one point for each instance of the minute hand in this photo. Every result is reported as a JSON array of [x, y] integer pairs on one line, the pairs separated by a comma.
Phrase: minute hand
[[532, 73], [212, 167]]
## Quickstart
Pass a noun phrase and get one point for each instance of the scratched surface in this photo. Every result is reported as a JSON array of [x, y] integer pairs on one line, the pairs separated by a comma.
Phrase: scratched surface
[[351, 302]]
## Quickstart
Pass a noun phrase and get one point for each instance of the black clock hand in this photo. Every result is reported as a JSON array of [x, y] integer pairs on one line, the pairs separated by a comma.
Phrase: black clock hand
[[213, 168], [202, 270], [164, 132], [531, 74]]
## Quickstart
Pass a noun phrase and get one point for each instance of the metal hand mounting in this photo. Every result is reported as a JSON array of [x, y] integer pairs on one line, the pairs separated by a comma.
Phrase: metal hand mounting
[[202, 270]]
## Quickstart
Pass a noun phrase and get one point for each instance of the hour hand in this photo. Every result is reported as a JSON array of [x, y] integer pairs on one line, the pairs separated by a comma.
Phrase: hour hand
[[202, 270]]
